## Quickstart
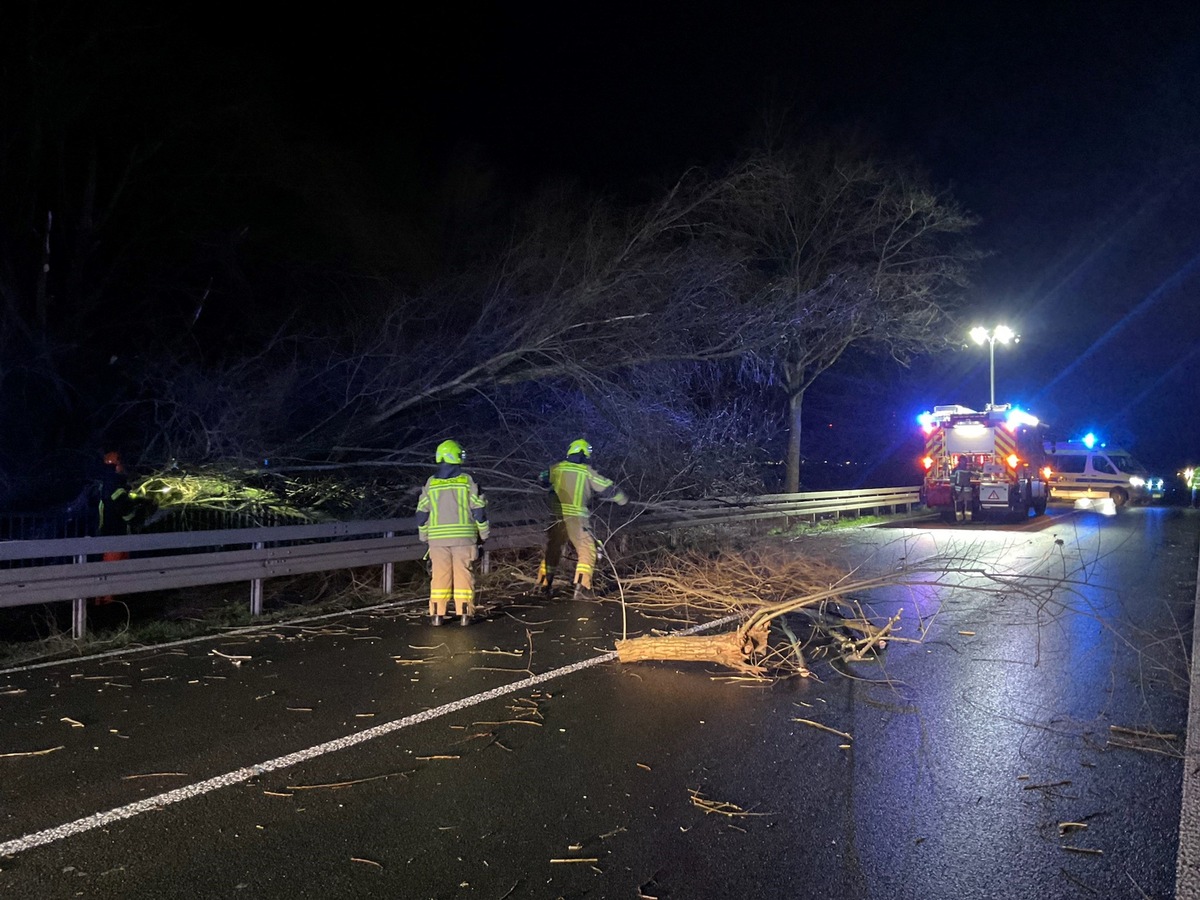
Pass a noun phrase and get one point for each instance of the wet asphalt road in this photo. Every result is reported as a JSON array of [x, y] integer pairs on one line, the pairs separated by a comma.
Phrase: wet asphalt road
[[966, 750]]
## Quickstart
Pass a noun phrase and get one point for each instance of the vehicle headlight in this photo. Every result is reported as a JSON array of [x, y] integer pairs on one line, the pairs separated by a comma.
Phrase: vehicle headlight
[[1137, 480]]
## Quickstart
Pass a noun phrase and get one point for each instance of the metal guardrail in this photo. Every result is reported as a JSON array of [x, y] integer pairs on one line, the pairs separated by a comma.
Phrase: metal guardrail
[[768, 506], [74, 569]]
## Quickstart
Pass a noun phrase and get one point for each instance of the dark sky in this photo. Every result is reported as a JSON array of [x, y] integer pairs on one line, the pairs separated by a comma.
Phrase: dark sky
[[1071, 129]]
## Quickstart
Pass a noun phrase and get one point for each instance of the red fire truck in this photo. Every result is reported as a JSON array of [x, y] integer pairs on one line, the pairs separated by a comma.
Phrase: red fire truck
[[980, 464]]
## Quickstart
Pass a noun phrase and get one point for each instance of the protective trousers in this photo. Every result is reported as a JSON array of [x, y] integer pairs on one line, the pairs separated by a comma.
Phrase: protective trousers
[[575, 529], [452, 578]]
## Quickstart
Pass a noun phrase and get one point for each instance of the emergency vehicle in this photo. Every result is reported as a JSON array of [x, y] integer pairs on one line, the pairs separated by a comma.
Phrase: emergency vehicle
[[1089, 470], [983, 463]]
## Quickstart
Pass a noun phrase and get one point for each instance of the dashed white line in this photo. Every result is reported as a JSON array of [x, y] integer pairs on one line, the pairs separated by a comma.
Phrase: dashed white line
[[238, 776]]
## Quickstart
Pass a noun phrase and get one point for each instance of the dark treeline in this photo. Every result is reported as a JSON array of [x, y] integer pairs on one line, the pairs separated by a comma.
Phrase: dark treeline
[[185, 277]]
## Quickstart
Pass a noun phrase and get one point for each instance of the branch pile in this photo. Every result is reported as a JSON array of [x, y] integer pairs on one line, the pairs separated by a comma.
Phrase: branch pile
[[764, 586]]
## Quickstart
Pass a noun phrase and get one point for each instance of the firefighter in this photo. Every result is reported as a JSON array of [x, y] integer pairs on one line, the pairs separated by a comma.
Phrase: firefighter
[[960, 486], [117, 505], [118, 508], [573, 483], [1192, 476], [451, 518]]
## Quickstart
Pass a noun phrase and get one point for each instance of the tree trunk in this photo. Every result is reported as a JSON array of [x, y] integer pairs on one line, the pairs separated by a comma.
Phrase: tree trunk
[[733, 648], [41, 304], [792, 470]]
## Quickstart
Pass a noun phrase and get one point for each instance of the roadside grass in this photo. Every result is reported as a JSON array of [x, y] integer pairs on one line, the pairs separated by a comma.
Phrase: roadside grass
[[827, 522]]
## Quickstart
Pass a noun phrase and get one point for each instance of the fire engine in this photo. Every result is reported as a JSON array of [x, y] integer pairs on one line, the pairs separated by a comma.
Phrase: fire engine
[[983, 463]]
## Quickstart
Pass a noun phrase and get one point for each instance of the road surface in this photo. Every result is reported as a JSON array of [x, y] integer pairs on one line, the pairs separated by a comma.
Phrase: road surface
[[1008, 751]]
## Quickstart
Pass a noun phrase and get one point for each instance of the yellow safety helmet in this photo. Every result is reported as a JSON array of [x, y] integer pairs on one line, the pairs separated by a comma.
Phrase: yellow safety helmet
[[450, 452], [580, 446]]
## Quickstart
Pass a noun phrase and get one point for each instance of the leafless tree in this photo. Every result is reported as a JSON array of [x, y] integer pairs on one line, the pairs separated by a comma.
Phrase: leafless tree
[[846, 251], [775, 267]]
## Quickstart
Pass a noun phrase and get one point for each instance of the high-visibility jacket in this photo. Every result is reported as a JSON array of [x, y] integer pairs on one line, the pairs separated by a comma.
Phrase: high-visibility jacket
[[452, 508], [576, 484], [118, 506]]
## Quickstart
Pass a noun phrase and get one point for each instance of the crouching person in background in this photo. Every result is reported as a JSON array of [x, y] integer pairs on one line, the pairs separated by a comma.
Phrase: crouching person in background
[[451, 518]]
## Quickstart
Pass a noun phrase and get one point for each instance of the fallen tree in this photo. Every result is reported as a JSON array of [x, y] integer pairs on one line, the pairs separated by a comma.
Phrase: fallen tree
[[763, 586]]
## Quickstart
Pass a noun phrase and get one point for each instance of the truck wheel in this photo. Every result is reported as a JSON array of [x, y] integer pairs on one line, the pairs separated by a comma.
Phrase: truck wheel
[[1119, 497]]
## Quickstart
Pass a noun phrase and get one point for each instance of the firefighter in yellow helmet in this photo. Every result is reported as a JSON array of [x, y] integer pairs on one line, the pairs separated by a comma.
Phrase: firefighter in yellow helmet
[[574, 484], [451, 516]]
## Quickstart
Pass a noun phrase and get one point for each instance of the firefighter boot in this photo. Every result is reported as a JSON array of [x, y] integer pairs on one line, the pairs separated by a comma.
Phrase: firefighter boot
[[464, 619], [435, 620]]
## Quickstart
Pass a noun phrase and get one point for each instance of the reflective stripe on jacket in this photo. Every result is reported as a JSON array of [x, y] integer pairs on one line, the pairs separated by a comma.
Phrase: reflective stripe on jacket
[[575, 484], [451, 508], [116, 512]]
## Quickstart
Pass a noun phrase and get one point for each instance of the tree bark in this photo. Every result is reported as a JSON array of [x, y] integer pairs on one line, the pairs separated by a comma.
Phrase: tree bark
[[41, 304], [792, 471], [733, 649]]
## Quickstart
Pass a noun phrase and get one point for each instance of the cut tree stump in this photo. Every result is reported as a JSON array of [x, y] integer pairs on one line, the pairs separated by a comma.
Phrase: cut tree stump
[[735, 649]]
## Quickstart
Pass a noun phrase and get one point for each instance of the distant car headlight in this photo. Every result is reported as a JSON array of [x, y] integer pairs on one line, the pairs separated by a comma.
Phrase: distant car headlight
[[1137, 480]]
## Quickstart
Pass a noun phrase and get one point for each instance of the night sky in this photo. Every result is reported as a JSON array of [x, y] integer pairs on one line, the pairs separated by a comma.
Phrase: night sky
[[1069, 129]]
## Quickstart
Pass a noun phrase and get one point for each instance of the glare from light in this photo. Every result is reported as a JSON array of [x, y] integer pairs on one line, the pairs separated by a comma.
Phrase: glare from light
[[1103, 505], [1089, 440], [1001, 333], [1018, 417]]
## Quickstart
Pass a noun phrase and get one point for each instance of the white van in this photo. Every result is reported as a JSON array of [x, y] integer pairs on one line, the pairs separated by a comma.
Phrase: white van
[[1085, 470]]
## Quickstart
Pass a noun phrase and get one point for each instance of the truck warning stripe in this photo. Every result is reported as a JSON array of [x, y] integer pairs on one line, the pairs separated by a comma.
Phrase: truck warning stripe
[[1006, 443]]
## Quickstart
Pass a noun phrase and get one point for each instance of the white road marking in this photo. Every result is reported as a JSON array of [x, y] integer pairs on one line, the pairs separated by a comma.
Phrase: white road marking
[[1187, 859], [238, 776]]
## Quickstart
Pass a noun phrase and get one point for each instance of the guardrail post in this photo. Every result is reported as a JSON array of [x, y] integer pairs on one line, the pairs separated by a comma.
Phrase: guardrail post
[[485, 562], [79, 610], [256, 590], [386, 578]]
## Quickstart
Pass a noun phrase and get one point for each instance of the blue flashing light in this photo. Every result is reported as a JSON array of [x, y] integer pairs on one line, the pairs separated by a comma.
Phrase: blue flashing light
[[925, 419], [1089, 440], [1018, 417]]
